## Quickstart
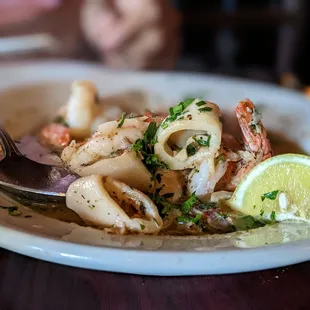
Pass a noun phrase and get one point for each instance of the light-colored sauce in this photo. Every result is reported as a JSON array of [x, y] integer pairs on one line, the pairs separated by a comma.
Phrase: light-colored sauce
[[60, 212], [280, 145]]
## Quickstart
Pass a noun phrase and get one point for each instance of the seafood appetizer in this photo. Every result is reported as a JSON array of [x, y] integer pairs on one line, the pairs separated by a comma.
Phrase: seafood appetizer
[[173, 173]]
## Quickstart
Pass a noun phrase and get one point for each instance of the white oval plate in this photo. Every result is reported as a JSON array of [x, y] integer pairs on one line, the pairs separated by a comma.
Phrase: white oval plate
[[30, 93]]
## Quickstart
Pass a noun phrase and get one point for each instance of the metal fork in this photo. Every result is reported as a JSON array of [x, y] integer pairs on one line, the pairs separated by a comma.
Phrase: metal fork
[[27, 180]]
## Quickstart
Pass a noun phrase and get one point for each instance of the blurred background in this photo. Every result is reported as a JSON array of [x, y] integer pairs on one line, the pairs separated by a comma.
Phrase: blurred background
[[258, 39]]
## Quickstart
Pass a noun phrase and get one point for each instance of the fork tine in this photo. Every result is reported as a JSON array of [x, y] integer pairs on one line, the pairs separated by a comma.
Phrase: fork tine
[[8, 144]]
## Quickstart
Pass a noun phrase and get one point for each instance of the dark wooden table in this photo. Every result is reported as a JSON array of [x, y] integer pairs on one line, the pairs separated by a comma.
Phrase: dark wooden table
[[30, 284], [27, 283]]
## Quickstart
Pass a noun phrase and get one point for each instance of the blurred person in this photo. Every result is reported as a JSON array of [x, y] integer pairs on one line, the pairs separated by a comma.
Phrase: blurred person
[[217, 36], [135, 34], [18, 11]]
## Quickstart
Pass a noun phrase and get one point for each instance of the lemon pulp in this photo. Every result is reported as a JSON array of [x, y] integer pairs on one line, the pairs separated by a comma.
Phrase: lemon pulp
[[276, 189]]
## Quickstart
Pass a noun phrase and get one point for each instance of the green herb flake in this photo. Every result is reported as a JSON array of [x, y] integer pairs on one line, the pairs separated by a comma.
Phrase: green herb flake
[[14, 211], [207, 205], [202, 142], [162, 203], [191, 149], [197, 218], [150, 133], [220, 158], [146, 147], [61, 121], [164, 125], [153, 160], [175, 112], [188, 219], [138, 146], [187, 102], [187, 205], [270, 195], [142, 226], [247, 222], [253, 127], [273, 216], [205, 109], [131, 115], [200, 103], [121, 123], [261, 213]]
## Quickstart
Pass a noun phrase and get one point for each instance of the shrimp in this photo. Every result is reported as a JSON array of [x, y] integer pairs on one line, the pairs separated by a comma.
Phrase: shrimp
[[227, 170], [55, 135], [78, 116], [152, 117], [253, 132], [257, 147]]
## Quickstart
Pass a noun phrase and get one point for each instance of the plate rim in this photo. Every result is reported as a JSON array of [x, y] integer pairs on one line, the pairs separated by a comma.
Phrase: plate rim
[[71, 254], [40, 247]]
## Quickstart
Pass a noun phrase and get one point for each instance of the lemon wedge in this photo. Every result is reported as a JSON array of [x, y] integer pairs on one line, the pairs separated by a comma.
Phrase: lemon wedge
[[277, 189]]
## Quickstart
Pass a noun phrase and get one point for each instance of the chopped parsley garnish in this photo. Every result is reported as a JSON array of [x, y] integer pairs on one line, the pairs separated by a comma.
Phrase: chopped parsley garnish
[[142, 226], [270, 195], [253, 127], [200, 103], [202, 142], [176, 111], [61, 120], [146, 147], [153, 161], [161, 202], [273, 216], [12, 210], [150, 134], [207, 205], [138, 146], [247, 222], [187, 205], [261, 213], [220, 158], [191, 149], [120, 124], [205, 109], [188, 219], [131, 115]]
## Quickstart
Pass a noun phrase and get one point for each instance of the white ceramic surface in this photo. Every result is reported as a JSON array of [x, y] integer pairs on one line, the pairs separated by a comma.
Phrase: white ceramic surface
[[30, 92]]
